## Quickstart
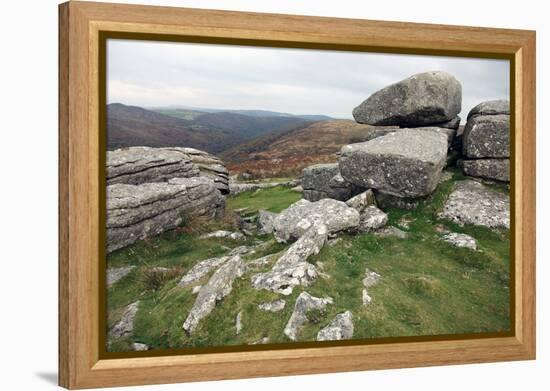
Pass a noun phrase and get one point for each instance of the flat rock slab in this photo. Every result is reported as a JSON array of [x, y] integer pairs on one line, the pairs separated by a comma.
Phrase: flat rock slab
[[487, 136], [200, 270], [137, 212], [294, 221], [460, 240], [125, 325], [497, 169], [273, 306], [219, 286], [341, 327], [473, 203], [422, 99], [292, 268], [371, 219], [490, 107], [115, 274], [304, 303], [407, 163]]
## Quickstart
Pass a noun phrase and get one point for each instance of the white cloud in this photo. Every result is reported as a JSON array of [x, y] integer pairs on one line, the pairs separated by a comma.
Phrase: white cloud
[[146, 73]]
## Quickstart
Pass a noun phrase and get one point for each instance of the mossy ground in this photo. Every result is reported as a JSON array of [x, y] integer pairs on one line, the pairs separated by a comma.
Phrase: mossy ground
[[428, 287]]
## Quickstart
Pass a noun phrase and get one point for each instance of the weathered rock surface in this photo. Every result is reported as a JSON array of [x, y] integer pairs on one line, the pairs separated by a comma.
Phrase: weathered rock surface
[[139, 347], [125, 325], [391, 231], [422, 99], [361, 201], [490, 107], [265, 222], [139, 211], [340, 328], [240, 187], [200, 270], [292, 268], [209, 166], [451, 124], [487, 136], [407, 163], [370, 280], [219, 286], [460, 240], [324, 181], [304, 303], [273, 306], [299, 217], [384, 201], [116, 273], [473, 203], [371, 219], [497, 169], [223, 234], [239, 322]]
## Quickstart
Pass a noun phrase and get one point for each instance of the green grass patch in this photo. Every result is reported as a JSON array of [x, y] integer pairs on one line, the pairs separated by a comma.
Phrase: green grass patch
[[274, 199]]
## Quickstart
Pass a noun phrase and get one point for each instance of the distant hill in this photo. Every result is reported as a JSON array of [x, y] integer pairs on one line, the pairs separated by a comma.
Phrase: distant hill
[[187, 111], [212, 132], [286, 153]]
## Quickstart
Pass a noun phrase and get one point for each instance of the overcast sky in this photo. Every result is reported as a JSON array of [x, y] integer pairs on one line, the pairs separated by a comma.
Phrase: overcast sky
[[297, 81]]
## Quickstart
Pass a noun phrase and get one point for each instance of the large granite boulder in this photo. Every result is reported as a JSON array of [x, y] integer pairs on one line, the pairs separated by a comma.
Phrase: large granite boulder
[[497, 169], [137, 165], [406, 163], [140, 211], [473, 203], [324, 181], [423, 99], [490, 107], [487, 136], [294, 221]]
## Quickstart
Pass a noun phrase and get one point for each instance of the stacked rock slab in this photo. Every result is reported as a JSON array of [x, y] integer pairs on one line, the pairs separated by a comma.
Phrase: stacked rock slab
[[152, 190], [486, 141], [324, 181]]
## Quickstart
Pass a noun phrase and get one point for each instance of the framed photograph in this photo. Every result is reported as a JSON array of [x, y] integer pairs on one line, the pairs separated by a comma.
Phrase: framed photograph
[[246, 195]]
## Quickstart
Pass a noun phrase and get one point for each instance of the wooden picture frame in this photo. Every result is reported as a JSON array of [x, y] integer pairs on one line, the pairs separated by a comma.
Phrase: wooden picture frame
[[82, 26]]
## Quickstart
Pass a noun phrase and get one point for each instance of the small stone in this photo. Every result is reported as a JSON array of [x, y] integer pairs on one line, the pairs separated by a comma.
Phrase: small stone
[[361, 201], [125, 325], [340, 328], [460, 240], [372, 219], [265, 222], [391, 231], [304, 303], [239, 322], [139, 347], [273, 306], [196, 289], [223, 234], [115, 274]]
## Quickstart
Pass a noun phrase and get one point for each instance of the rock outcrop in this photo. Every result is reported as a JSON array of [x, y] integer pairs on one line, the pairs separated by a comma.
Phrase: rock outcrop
[[407, 163], [219, 286], [292, 268], [324, 181], [304, 303], [209, 166], [299, 217], [473, 203], [125, 325], [423, 99], [341, 327], [140, 211], [486, 141]]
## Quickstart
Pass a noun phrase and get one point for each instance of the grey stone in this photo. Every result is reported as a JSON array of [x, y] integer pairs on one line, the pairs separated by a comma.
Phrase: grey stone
[[487, 136], [292, 222], [371, 219], [304, 303], [115, 274], [209, 166], [265, 222], [473, 203], [223, 234], [218, 286], [391, 231], [341, 327], [451, 124], [137, 212], [139, 347], [370, 280], [384, 201], [292, 268], [324, 181], [407, 163], [497, 169], [240, 187], [273, 306], [239, 322], [460, 240], [200, 270], [125, 325], [491, 107], [422, 99], [361, 201]]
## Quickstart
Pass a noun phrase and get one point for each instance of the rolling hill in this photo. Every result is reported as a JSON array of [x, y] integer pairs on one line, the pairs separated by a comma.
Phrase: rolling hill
[[286, 153], [212, 132]]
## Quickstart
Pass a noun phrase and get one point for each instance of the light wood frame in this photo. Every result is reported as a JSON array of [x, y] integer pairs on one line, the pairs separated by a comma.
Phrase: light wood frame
[[80, 24]]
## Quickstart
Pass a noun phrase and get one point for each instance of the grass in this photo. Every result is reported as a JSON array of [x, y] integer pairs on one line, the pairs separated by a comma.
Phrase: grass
[[427, 286], [274, 199]]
